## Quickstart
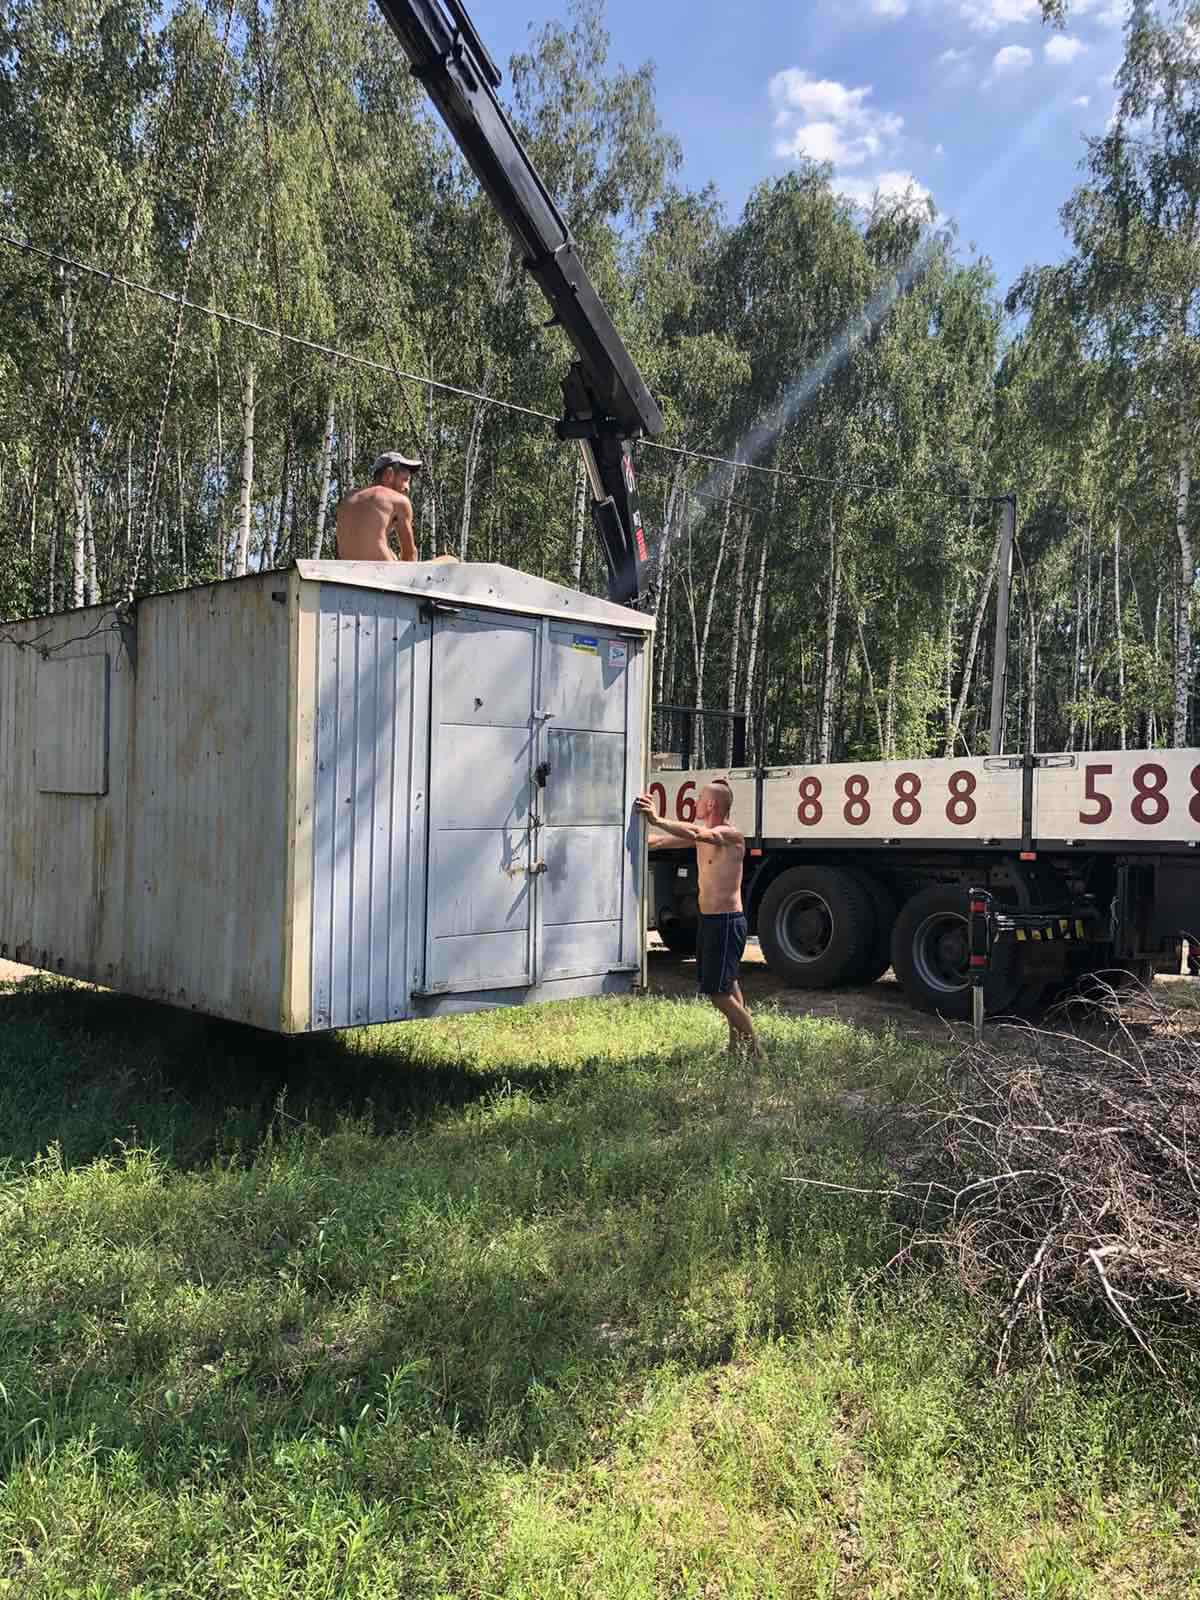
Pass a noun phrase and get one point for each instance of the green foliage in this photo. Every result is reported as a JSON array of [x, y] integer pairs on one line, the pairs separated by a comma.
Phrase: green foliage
[[300, 180]]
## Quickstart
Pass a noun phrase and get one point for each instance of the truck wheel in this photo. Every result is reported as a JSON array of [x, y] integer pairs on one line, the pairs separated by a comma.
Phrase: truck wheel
[[816, 926], [883, 903], [1101, 976], [679, 937], [930, 953]]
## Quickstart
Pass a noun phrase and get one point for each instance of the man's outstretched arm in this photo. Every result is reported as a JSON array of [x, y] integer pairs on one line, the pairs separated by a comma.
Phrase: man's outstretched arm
[[664, 841], [686, 832]]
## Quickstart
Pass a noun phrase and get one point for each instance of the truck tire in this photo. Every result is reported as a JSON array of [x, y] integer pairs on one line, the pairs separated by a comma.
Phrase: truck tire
[[883, 904], [931, 956], [816, 926], [1113, 973]]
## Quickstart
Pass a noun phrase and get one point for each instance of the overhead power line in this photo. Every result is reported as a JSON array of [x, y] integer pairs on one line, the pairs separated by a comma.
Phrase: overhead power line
[[388, 369], [173, 299]]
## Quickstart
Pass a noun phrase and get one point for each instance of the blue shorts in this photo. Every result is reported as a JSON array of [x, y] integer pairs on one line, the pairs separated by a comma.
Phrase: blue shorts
[[720, 941]]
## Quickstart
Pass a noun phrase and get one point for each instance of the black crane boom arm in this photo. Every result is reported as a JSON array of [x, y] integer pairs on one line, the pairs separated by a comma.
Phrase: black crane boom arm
[[606, 403]]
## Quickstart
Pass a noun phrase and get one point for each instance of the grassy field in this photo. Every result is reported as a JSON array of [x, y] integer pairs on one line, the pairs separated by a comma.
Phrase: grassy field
[[518, 1306]]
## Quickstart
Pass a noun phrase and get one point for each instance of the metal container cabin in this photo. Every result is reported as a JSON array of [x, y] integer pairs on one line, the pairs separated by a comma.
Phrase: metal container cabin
[[353, 792]]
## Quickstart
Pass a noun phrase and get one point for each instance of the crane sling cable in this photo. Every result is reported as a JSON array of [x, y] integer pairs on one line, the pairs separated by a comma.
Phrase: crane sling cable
[[171, 297], [177, 334]]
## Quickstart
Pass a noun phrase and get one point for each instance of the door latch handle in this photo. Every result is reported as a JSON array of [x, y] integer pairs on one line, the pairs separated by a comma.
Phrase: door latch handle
[[542, 773], [537, 869]]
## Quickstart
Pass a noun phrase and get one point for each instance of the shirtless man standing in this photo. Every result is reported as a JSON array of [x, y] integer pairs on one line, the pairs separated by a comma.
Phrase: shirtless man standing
[[367, 516], [721, 937]]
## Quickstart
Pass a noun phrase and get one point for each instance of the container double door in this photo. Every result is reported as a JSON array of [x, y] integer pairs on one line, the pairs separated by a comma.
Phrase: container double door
[[534, 757]]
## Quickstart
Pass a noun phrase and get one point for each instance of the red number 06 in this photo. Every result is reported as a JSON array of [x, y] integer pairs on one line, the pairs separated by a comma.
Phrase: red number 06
[[685, 806]]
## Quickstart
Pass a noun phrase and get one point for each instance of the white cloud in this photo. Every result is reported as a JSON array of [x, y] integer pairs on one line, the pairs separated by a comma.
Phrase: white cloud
[[955, 67], [987, 16], [1061, 50], [885, 186], [939, 149], [1082, 101], [1107, 13], [889, 8], [826, 121], [1009, 62]]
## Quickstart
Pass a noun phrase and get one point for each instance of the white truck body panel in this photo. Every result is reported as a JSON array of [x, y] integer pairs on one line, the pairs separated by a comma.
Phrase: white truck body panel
[[1130, 798]]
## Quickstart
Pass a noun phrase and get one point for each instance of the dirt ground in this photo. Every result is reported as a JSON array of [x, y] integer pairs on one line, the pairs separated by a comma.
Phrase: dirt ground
[[875, 1005]]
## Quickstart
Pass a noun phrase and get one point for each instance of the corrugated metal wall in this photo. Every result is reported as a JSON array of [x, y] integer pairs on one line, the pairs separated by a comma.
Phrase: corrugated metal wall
[[207, 838], [369, 820]]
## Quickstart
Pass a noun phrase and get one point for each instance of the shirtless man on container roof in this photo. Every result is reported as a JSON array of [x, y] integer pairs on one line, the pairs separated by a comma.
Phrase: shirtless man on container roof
[[366, 517], [721, 937]]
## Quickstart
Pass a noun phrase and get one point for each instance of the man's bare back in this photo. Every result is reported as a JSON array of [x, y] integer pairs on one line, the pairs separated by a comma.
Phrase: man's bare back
[[366, 517]]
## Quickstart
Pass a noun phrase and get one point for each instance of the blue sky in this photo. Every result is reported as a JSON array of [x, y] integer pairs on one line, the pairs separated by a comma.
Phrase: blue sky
[[976, 101]]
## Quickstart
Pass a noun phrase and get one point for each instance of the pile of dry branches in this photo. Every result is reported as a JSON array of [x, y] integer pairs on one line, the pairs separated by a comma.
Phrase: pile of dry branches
[[1063, 1173], [1060, 1174]]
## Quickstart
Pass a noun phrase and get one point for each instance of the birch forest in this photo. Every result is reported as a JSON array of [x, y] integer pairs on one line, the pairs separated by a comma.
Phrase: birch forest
[[869, 384]]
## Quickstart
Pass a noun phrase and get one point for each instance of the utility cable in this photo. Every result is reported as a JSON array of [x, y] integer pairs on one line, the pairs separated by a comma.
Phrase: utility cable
[[784, 474]]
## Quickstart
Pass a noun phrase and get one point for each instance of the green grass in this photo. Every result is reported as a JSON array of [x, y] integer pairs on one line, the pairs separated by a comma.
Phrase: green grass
[[521, 1305]]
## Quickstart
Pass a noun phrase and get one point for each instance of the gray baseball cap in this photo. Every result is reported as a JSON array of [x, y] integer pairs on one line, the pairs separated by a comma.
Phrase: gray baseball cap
[[393, 458]]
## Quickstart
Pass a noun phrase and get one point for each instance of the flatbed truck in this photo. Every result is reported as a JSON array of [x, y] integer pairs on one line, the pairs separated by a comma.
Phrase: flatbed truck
[[855, 867]]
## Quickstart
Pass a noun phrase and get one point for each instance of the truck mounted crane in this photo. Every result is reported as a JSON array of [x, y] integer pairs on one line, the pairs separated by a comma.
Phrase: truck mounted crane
[[606, 403]]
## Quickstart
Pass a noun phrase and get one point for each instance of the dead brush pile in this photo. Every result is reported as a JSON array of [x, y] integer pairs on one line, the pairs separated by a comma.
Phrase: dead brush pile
[[1061, 1175]]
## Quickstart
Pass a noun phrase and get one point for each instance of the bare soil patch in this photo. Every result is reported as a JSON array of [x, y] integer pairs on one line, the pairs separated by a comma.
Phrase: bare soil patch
[[874, 1005]]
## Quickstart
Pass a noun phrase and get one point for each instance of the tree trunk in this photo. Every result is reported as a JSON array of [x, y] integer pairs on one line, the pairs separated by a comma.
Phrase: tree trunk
[[832, 604], [182, 512], [889, 746], [91, 586], [219, 537], [973, 648], [752, 654], [735, 639], [427, 546], [1076, 669], [866, 657], [78, 535], [579, 520], [1183, 618], [702, 653], [246, 489], [1118, 623], [324, 476]]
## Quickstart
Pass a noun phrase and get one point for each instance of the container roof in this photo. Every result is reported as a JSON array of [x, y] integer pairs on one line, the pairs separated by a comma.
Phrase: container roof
[[478, 583]]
